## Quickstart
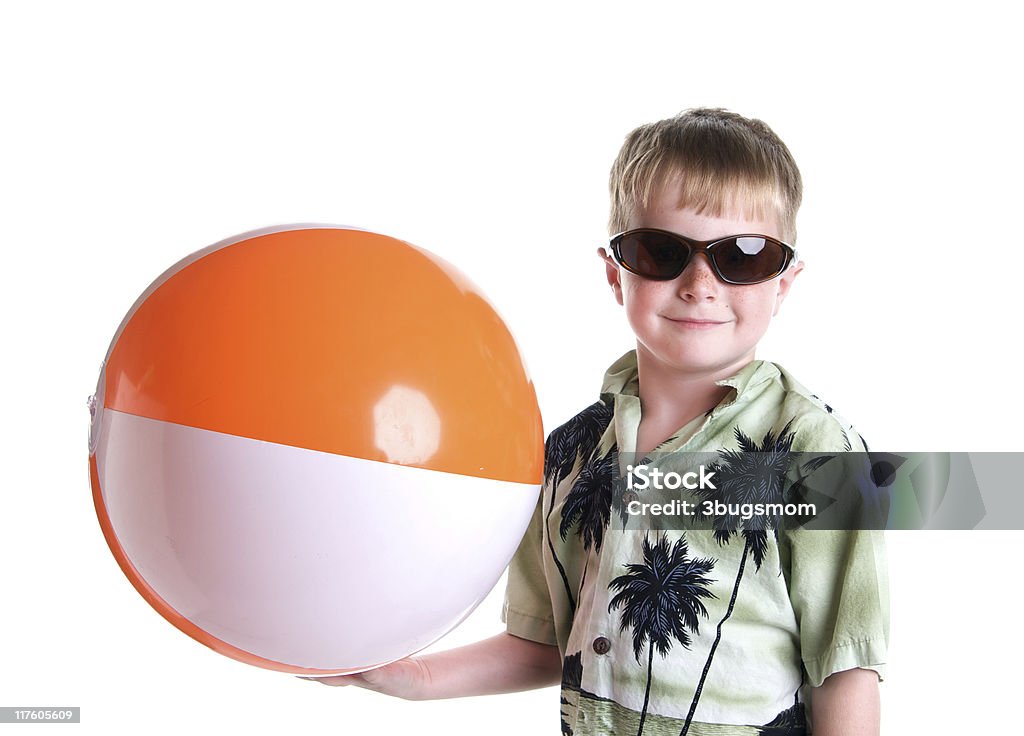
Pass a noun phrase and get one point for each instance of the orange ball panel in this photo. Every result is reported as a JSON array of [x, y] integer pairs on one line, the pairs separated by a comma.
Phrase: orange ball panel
[[297, 337]]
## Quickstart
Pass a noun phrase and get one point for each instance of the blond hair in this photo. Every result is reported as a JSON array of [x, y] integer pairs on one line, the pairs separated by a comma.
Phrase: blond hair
[[722, 162]]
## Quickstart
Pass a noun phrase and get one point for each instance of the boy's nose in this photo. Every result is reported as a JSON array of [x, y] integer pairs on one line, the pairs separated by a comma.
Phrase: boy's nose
[[698, 282]]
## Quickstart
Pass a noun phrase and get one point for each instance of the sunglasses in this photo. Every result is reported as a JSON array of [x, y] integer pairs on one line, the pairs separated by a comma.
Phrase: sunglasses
[[660, 255]]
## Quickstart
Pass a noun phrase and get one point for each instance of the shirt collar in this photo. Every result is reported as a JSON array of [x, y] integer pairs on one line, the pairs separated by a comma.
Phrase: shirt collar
[[749, 377], [622, 377]]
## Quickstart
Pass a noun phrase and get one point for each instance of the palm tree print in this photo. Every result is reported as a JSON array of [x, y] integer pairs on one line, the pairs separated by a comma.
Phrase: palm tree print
[[753, 474], [789, 722], [572, 679], [590, 501], [589, 504], [576, 438], [572, 670], [581, 433], [661, 601]]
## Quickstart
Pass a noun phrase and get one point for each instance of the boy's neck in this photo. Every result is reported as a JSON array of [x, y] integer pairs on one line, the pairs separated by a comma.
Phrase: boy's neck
[[670, 399]]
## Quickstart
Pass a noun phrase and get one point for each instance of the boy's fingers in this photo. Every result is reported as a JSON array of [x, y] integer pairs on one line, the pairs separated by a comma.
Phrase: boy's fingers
[[336, 680], [369, 678]]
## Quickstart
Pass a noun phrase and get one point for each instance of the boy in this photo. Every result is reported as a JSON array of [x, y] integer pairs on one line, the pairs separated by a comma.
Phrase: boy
[[751, 623]]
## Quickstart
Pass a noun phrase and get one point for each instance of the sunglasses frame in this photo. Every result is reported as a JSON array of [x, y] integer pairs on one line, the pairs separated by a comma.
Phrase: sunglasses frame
[[702, 246]]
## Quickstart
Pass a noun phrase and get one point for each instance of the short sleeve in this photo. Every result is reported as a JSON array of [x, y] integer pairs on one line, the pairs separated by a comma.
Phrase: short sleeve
[[835, 565], [527, 609], [839, 589]]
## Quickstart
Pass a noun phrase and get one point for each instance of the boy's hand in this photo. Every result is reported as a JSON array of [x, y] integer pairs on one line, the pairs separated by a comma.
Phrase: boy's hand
[[407, 678], [501, 664]]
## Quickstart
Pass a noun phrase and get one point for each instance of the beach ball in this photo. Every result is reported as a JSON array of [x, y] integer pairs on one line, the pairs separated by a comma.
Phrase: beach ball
[[314, 449]]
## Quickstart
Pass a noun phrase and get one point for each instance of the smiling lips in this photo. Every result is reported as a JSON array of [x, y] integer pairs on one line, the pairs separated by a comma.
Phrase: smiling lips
[[696, 324]]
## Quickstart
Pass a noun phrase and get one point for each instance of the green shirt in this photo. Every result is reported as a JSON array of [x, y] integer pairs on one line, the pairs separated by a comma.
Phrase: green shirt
[[644, 617]]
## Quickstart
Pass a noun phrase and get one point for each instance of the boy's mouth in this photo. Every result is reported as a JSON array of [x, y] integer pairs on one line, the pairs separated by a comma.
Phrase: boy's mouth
[[696, 324]]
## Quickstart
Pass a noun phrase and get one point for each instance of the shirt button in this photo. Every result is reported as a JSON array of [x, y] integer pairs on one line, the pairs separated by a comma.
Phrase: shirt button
[[602, 645]]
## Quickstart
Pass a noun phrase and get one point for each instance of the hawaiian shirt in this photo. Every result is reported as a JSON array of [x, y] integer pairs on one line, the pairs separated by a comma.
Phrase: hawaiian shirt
[[678, 629]]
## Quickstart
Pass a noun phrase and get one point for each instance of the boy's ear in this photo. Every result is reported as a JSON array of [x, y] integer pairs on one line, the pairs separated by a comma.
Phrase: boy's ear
[[785, 283], [611, 270]]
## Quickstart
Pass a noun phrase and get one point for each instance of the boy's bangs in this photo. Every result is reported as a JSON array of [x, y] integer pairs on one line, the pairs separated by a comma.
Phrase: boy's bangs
[[713, 192], [708, 193]]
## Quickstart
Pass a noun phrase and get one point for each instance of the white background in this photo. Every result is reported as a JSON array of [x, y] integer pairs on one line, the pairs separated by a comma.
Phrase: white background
[[133, 134]]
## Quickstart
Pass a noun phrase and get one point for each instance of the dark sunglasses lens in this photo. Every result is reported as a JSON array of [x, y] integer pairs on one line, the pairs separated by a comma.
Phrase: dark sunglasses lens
[[653, 255], [748, 260]]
